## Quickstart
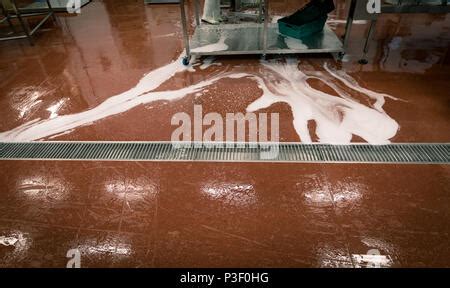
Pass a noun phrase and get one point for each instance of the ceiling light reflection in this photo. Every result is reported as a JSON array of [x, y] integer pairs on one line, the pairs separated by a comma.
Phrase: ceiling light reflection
[[231, 193], [39, 187]]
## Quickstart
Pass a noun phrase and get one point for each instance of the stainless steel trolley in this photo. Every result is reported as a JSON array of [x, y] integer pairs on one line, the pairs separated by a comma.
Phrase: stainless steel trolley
[[251, 38]]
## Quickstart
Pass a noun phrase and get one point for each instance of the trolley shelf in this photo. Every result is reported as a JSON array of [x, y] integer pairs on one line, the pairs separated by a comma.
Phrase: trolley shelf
[[251, 38], [233, 39]]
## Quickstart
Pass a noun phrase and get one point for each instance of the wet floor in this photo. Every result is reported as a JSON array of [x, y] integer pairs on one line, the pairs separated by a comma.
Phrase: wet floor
[[217, 215]]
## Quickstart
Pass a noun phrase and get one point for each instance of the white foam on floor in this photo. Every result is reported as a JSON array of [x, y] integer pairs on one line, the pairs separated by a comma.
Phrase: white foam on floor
[[337, 118], [208, 62], [141, 94]]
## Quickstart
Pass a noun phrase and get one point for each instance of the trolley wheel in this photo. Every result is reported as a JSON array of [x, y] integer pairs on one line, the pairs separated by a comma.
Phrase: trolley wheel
[[363, 61], [341, 55], [186, 60]]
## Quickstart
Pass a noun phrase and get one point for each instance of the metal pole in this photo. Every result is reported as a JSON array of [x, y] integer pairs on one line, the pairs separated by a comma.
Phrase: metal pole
[[51, 10], [6, 15], [266, 24], [23, 22], [185, 30], [237, 5], [349, 23], [260, 11], [197, 12], [369, 37]]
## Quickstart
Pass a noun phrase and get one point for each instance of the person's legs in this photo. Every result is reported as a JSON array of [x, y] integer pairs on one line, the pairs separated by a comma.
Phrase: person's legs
[[211, 11]]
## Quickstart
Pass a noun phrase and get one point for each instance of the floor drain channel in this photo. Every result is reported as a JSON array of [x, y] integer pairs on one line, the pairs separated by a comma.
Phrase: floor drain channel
[[420, 153]]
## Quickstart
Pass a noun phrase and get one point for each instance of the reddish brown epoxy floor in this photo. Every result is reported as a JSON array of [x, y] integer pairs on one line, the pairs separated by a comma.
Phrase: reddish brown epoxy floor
[[213, 215], [124, 214]]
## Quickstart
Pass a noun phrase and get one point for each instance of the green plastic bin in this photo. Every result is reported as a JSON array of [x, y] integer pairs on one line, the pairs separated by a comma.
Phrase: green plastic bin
[[301, 31]]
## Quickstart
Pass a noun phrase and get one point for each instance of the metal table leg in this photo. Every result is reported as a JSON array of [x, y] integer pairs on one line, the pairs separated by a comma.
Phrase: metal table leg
[[7, 18], [187, 58], [260, 10], [236, 5], [197, 12], [349, 23], [51, 11], [368, 38], [266, 24], [23, 23]]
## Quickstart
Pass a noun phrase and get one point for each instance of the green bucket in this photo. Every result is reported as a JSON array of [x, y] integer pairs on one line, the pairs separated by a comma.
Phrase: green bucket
[[290, 29]]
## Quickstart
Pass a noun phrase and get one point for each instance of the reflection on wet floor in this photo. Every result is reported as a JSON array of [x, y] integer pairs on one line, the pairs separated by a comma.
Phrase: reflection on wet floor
[[126, 214]]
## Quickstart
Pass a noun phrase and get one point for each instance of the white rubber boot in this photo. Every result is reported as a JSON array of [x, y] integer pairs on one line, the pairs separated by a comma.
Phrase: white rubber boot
[[211, 12]]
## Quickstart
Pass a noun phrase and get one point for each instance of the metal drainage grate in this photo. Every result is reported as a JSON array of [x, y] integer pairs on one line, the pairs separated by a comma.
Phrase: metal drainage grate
[[220, 152]]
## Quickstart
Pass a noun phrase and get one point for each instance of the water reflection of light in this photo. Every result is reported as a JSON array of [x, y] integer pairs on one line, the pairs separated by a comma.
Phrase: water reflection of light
[[25, 98], [117, 188], [341, 196], [8, 241], [347, 195], [318, 196], [55, 108], [332, 257], [232, 194], [348, 192], [371, 261], [379, 244], [132, 190], [379, 254], [20, 242], [342, 193], [120, 249], [400, 54], [43, 188], [115, 245]]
